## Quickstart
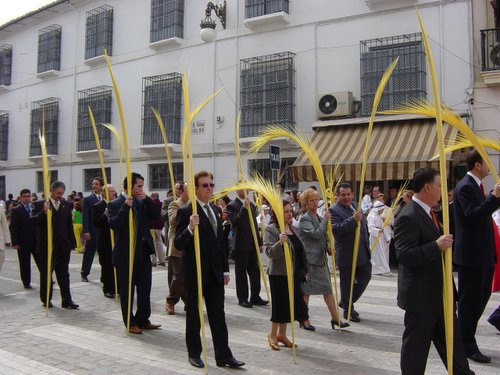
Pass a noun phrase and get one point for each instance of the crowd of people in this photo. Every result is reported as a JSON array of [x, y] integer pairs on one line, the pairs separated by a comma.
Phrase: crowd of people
[[410, 230]]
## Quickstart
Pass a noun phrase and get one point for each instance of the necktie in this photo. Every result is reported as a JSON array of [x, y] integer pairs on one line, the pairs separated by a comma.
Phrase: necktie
[[481, 187], [434, 219], [212, 219], [28, 209], [56, 205]]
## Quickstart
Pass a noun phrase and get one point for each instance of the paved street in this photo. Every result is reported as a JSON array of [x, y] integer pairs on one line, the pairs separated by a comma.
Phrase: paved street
[[92, 340]]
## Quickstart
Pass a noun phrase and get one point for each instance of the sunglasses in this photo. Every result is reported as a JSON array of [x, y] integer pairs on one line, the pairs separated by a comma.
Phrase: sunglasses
[[205, 185]]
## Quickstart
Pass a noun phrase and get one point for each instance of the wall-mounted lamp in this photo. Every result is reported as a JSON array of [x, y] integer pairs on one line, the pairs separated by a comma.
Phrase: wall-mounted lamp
[[207, 25]]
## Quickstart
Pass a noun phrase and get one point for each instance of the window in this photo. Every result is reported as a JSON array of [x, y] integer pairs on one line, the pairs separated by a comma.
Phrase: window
[[2, 186], [408, 80], [39, 179], [89, 174], [49, 110], [167, 19], [254, 8], [5, 64], [164, 93], [267, 92], [99, 101], [49, 48], [4, 135], [99, 33], [159, 175], [284, 175]]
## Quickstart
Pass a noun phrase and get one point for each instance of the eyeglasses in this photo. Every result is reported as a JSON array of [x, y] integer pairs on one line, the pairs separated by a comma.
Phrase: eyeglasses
[[205, 185]]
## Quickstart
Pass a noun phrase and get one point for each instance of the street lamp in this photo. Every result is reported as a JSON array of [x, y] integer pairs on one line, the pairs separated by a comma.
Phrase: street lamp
[[207, 25]]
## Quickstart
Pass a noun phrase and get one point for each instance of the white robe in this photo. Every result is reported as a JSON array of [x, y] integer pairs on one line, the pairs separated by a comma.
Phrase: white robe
[[380, 254]]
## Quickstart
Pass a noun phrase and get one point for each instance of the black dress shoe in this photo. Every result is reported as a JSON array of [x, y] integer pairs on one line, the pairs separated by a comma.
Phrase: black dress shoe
[[245, 304], [196, 362], [259, 302], [109, 295], [85, 279], [479, 357], [354, 316], [341, 324], [231, 362], [28, 287], [70, 305], [50, 305], [309, 327]]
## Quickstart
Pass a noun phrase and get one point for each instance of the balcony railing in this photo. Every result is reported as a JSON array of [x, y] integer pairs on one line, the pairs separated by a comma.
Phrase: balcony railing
[[490, 49]]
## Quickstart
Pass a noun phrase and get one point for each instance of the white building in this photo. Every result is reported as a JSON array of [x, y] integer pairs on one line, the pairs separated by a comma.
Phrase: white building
[[275, 58]]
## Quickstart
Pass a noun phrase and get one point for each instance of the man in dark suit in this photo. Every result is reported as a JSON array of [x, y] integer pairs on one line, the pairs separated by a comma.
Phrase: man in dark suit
[[419, 245], [63, 240], [474, 251], [23, 236], [345, 217], [214, 272], [89, 230], [104, 248], [244, 253], [118, 216]]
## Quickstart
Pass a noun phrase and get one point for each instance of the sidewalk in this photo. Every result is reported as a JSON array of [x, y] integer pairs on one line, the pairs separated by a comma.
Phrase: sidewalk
[[92, 340]]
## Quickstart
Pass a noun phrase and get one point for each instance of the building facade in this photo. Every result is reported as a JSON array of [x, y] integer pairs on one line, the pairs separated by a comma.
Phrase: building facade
[[276, 60]]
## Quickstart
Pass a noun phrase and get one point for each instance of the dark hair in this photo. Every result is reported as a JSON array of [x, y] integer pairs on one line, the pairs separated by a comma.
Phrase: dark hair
[[25, 191], [472, 158], [226, 199], [201, 174], [423, 176], [343, 185], [101, 181], [135, 177], [274, 219], [181, 185], [56, 185]]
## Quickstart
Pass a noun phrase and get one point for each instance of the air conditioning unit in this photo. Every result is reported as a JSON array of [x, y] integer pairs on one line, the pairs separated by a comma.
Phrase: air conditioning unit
[[337, 104]]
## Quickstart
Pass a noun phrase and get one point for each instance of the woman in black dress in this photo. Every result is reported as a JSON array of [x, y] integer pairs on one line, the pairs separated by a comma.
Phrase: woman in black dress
[[274, 238]]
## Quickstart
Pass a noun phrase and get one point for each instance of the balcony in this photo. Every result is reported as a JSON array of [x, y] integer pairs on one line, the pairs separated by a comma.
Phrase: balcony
[[490, 56]]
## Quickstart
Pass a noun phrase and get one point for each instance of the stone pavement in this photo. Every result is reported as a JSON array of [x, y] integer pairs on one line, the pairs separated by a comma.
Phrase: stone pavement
[[92, 340]]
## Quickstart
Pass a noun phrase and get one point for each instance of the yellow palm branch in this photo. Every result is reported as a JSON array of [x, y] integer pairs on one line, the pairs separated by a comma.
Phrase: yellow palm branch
[[463, 142], [161, 125], [119, 144]]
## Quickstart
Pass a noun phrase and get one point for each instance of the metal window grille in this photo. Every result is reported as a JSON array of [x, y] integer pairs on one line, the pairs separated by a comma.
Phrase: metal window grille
[[91, 173], [267, 92], [167, 19], [254, 8], [99, 32], [263, 167], [2, 185], [49, 48], [4, 135], [164, 93], [159, 176], [490, 49], [408, 80], [99, 100], [54, 176], [49, 110], [5, 64]]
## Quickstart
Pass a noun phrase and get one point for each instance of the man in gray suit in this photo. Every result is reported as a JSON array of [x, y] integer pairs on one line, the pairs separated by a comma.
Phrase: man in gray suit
[[345, 217]]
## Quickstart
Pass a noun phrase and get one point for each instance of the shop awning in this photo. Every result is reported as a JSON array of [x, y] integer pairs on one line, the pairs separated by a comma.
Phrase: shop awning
[[397, 149]]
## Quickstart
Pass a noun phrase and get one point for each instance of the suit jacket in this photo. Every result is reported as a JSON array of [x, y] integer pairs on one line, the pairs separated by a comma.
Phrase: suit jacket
[[22, 230], [100, 221], [63, 235], [313, 235], [474, 241], [420, 277], [212, 248], [344, 228], [88, 204], [276, 253], [173, 207], [118, 219], [238, 216]]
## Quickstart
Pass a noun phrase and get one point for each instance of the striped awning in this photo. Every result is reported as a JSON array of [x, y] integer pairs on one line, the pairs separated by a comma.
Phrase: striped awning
[[397, 149]]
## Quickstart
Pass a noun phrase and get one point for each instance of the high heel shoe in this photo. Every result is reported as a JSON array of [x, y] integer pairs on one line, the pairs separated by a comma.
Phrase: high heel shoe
[[285, 341], [273, 343], [309, 327], [341, 325]]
